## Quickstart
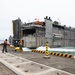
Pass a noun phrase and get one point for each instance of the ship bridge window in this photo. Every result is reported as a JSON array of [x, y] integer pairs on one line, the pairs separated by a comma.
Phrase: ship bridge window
[[29, 31]]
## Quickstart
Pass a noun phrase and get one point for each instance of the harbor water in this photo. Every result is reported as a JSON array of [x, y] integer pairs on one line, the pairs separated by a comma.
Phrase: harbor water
[[65, 50]]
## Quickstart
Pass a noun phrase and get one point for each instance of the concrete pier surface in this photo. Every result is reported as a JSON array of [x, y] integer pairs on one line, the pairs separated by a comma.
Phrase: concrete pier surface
[[32, 63]]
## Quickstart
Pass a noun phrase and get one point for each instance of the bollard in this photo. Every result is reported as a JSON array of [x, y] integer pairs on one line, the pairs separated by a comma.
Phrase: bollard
[[47, 49], [46, 52]]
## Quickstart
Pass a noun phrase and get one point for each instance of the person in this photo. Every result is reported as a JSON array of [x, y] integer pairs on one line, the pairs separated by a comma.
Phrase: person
[[20, 45], [5, 46]]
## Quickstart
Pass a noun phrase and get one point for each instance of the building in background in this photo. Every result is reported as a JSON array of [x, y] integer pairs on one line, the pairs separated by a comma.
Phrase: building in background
[[37, 33]]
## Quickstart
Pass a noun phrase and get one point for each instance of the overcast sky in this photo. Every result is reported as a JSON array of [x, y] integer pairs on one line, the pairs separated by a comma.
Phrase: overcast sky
[[27, 10]]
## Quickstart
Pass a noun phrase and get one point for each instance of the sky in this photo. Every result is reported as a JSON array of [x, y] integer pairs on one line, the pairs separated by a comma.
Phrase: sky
[[62, 11]]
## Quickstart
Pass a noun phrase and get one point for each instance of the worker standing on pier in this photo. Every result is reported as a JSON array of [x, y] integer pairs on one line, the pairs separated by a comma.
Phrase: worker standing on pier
[[20, 44], [5, 46]]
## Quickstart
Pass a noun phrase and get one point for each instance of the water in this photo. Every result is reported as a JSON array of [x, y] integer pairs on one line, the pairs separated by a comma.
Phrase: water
[[42, 48], [66, 50], [26, 49]]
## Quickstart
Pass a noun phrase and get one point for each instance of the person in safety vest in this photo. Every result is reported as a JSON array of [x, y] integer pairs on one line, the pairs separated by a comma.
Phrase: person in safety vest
[[5, 46]]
